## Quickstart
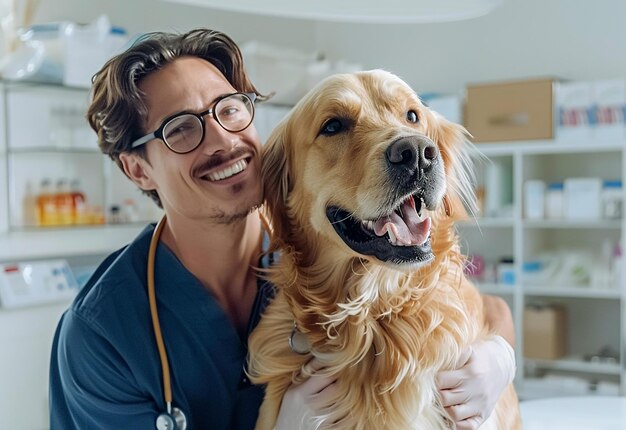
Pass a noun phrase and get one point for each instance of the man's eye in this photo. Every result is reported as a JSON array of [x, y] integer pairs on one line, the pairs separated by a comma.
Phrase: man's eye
[[331, 127], [411, 116]]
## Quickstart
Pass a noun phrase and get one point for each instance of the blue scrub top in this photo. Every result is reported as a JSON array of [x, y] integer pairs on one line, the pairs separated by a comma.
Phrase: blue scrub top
[[105, 371]]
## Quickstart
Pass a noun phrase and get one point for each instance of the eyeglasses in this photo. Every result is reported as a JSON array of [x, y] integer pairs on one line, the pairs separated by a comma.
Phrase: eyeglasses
[[183, 132]]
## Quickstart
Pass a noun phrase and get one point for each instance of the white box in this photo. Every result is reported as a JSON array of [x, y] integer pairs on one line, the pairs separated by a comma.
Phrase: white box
[[609, 109], [534, 199], [87, 48], [574, 104], [582, 198]]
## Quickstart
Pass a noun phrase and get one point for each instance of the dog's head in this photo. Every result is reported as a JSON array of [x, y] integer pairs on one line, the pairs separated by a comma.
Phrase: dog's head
[[363, 164]]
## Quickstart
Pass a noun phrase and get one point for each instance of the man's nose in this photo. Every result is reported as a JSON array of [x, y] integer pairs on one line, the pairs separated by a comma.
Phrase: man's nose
[[217, 138]]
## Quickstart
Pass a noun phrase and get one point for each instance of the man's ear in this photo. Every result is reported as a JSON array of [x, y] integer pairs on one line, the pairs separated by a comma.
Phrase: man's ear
[[137, 169]]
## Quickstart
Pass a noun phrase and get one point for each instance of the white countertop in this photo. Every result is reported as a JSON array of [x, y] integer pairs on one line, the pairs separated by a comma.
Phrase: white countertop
[[574, 413], [61, 242]]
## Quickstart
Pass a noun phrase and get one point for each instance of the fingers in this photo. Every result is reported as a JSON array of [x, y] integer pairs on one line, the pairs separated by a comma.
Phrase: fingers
[[316, 383], [461, 412], [472, 423], [448, 379], [453, 397]]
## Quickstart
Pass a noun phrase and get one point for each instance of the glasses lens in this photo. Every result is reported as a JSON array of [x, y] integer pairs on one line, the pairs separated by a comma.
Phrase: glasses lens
[[234, 112], [183, 133]]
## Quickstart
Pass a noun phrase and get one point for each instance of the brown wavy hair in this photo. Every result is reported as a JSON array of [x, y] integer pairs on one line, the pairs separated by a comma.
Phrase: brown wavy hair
[[117, 109]]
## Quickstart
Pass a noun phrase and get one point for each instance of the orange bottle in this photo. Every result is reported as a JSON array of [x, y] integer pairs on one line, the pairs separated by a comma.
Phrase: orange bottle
[[79, 204], [64, 204], [46, 205]]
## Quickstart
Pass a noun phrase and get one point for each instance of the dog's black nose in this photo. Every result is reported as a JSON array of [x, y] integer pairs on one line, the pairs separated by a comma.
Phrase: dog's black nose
[[412, 153]]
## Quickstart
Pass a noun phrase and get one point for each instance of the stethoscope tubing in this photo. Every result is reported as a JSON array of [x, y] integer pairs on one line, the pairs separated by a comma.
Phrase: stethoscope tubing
[[154, 314]]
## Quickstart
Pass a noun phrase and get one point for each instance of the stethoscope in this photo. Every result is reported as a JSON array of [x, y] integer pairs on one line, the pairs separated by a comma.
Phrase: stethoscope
[[172, 418]]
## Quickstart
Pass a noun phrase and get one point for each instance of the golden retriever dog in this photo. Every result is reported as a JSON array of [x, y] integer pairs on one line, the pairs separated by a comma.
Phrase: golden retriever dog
[[363, 185]]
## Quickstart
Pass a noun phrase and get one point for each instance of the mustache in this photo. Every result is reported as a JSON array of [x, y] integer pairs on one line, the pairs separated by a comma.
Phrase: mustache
[[221, 158]]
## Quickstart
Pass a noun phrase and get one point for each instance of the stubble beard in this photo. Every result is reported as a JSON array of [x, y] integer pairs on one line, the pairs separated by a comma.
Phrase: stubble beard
[[239, 214]]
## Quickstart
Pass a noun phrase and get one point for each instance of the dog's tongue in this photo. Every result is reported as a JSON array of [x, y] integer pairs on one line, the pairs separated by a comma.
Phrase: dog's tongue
[[408, 229]]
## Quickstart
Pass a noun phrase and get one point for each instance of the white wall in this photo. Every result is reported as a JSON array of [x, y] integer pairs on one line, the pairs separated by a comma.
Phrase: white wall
[[572, 39]]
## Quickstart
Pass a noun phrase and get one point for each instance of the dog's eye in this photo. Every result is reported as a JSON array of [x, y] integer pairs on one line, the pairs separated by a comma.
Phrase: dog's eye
[[411, 116], [331, 127]]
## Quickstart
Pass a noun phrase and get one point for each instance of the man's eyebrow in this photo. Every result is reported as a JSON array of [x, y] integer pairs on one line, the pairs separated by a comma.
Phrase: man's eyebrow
[[159, 122]]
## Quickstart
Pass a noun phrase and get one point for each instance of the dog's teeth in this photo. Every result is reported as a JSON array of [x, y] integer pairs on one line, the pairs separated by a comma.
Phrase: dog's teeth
[[369, 225], [392, 237]]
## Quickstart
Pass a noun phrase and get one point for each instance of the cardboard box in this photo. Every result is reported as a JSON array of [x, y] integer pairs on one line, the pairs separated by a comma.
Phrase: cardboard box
[[545, 332], [521, 110]]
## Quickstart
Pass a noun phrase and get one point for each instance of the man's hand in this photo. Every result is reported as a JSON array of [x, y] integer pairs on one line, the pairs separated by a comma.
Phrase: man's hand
[[302, 401], [470, 392]]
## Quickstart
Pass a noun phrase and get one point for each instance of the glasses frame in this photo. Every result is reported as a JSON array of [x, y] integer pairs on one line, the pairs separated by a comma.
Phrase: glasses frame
[[158, 133]]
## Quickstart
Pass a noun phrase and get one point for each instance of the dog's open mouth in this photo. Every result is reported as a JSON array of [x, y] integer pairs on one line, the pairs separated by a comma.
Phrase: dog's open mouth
[[400, 237]]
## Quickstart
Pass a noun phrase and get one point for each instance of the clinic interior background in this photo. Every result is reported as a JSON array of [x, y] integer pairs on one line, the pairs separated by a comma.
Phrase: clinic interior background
[[573, 40]]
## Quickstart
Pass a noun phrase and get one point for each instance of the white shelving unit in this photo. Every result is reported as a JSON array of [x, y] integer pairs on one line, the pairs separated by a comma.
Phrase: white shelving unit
[[596, 316], [44, 134]]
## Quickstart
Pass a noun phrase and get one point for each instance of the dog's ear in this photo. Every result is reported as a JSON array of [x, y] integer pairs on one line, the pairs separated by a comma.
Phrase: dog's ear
[[276, 181], [453, 140]]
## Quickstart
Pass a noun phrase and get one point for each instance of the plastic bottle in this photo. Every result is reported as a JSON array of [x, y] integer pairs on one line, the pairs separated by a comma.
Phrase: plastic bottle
[[64, 204], [130, 213], [554, 200], [612, 199], [79, 204], [46, 206], [534, 199], [29, 206]]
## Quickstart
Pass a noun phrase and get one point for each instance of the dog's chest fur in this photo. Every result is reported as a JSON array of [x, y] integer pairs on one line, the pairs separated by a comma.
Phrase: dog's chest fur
[[385, 336]]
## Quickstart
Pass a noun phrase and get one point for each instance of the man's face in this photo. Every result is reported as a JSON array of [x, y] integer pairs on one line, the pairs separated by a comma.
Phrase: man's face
[[189, 185]]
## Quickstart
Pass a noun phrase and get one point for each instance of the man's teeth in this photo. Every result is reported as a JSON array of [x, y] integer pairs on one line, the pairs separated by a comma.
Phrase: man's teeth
[[238, 167]]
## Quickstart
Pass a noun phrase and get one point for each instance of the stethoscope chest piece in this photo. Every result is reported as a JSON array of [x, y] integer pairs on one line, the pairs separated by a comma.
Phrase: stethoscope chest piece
[[298, 341], [174, 421]]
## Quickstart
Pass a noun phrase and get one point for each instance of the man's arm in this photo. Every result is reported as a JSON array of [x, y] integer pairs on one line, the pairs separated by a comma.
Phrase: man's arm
[[470, 392], [89, 385], [498, 317]]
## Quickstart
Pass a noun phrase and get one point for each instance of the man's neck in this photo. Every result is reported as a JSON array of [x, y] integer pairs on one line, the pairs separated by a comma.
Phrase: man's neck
[[221, 256]]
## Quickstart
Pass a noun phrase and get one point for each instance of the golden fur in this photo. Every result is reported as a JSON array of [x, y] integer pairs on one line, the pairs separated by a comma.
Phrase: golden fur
[[384, 330]]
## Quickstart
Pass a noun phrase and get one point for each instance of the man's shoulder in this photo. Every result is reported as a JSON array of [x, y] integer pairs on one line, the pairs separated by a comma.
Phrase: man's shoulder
[[119, 280]]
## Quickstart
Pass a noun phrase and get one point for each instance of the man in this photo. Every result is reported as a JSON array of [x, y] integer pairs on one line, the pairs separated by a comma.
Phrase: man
[[175, 113]]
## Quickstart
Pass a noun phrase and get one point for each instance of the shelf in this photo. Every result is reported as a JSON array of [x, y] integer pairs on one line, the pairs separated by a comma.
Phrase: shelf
[[487, 223], [574, 292], [608, 224], [55, 150], [71, 241], [575, 364], [25, 84], [495, 289], [548, 147]]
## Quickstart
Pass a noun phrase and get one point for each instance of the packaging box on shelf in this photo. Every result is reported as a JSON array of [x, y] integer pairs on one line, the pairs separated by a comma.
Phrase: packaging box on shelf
[[574, 104], [519, 110], [581, 198], [609, 98], [545, 332]]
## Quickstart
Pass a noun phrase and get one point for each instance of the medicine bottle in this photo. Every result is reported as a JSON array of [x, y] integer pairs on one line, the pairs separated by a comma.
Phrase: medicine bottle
[[64, 204], [79, 204], [554, 200], [612, 199], [534, 199], [46, 205]]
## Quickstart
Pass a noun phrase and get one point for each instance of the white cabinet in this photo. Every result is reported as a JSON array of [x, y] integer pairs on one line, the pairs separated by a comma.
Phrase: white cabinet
[[45, 134], [576, 260]]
